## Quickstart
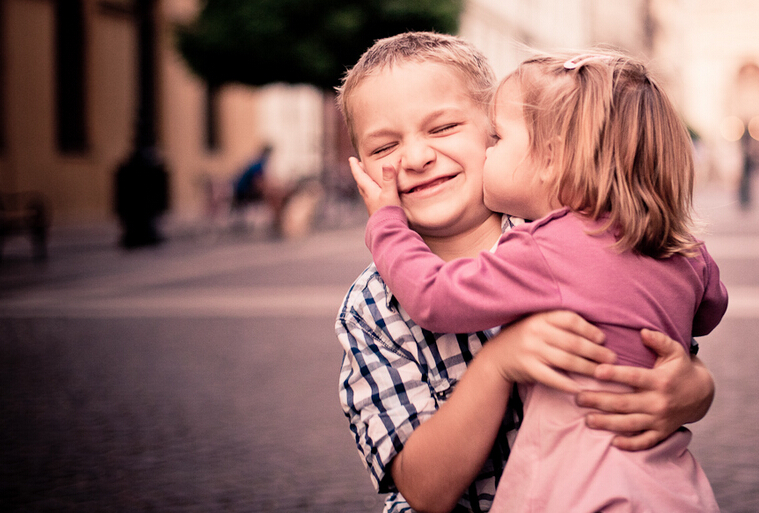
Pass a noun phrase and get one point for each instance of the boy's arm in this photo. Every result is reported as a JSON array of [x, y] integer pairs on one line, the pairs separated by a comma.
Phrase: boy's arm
[[373, 366], [444, 454]]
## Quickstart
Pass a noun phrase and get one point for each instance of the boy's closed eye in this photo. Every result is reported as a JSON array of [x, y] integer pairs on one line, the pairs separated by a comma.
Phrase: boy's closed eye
[[382, 149], [445, 128]]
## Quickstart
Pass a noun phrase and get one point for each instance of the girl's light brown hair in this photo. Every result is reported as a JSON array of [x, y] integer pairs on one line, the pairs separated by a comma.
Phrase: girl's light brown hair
[[419, 47], [617, 146]]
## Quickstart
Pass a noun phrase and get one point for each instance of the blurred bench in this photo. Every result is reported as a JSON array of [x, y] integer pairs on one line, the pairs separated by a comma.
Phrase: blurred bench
[[25, 214]]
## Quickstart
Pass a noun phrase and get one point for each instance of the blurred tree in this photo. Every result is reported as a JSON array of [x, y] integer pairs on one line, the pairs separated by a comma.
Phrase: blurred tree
[[257, 42]]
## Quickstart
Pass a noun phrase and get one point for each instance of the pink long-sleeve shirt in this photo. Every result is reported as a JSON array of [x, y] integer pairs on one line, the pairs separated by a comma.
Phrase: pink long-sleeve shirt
[[552, 263]]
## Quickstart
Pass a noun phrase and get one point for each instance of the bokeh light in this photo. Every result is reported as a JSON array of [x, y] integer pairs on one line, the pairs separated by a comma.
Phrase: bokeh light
[[731, 128], [753, 128]]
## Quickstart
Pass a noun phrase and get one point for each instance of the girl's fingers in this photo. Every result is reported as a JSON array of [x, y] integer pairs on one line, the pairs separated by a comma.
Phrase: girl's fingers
[[389, 186], [363, 180], [636, 431], [389, 177]]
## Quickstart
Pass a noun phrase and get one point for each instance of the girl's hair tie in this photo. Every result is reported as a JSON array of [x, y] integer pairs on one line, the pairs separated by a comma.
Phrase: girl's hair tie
[[578, 61]]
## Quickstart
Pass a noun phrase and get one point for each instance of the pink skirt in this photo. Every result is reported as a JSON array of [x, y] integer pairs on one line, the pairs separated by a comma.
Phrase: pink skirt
[[559, 464]]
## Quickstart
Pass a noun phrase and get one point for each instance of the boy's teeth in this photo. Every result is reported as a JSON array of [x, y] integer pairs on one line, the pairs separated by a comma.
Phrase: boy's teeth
[[427, 185]]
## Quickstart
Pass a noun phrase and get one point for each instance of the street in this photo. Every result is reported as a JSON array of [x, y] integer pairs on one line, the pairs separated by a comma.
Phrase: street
[[196, 376], [201, 375]]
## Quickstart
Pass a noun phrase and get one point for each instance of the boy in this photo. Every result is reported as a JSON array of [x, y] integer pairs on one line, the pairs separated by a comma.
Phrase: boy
[[419, 102]]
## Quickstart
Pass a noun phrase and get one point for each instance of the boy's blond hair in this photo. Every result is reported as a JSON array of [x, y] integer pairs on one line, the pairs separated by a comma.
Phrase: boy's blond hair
[[418, 47], [617, 146]]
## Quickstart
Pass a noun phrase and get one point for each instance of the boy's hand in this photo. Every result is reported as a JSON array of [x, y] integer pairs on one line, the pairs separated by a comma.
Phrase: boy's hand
[[376, 195], [679, 389], [542, 346]]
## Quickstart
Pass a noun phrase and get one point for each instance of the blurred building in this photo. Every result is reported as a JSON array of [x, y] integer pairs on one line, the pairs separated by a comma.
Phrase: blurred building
[[68, 98], [68, 90], [704, 52]]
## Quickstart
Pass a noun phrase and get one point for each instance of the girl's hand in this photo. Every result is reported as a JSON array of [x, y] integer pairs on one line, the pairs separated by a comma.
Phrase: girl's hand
[[678, 390], [540, 347], [376, 195]]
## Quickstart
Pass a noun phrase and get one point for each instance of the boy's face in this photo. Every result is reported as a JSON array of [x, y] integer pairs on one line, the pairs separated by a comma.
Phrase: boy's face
[[419, 118]]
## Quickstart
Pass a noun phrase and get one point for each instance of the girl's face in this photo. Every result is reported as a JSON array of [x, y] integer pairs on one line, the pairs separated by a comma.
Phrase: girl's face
[[514, 181]]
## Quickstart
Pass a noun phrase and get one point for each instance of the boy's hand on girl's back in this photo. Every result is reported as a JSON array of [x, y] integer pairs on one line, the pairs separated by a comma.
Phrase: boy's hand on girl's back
[[678, 390], [539, 348], [376, 195]]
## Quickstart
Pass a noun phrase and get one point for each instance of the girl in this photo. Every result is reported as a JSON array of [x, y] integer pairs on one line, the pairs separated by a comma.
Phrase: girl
[[592, 148]]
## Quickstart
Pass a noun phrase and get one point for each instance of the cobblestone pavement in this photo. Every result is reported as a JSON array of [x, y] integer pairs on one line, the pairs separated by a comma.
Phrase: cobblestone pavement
[[199, 376], [202, 375]]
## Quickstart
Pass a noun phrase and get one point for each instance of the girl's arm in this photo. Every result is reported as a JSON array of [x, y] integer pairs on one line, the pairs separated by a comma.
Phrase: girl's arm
[[678, 390], [443, 455], [464, 295], [460, 296]]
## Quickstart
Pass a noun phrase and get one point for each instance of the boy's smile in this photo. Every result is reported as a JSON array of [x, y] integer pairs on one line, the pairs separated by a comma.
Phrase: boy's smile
[[427, 186], [419, 118]]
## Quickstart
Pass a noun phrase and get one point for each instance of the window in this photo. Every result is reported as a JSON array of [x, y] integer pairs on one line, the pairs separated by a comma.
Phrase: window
[[71, 122]]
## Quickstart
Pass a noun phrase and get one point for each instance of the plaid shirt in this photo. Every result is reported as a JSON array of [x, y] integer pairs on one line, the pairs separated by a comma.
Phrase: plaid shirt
[[394, 376]]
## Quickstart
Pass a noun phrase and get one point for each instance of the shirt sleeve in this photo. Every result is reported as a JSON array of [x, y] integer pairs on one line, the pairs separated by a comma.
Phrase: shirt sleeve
[[382, 388], [463, 295], [714, 302]]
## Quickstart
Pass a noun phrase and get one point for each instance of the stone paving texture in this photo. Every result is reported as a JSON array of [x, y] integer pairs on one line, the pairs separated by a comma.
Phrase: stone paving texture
[[203, 400]]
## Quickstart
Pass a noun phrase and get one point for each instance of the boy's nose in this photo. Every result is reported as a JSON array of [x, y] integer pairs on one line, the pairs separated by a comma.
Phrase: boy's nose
[[417, 156]]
